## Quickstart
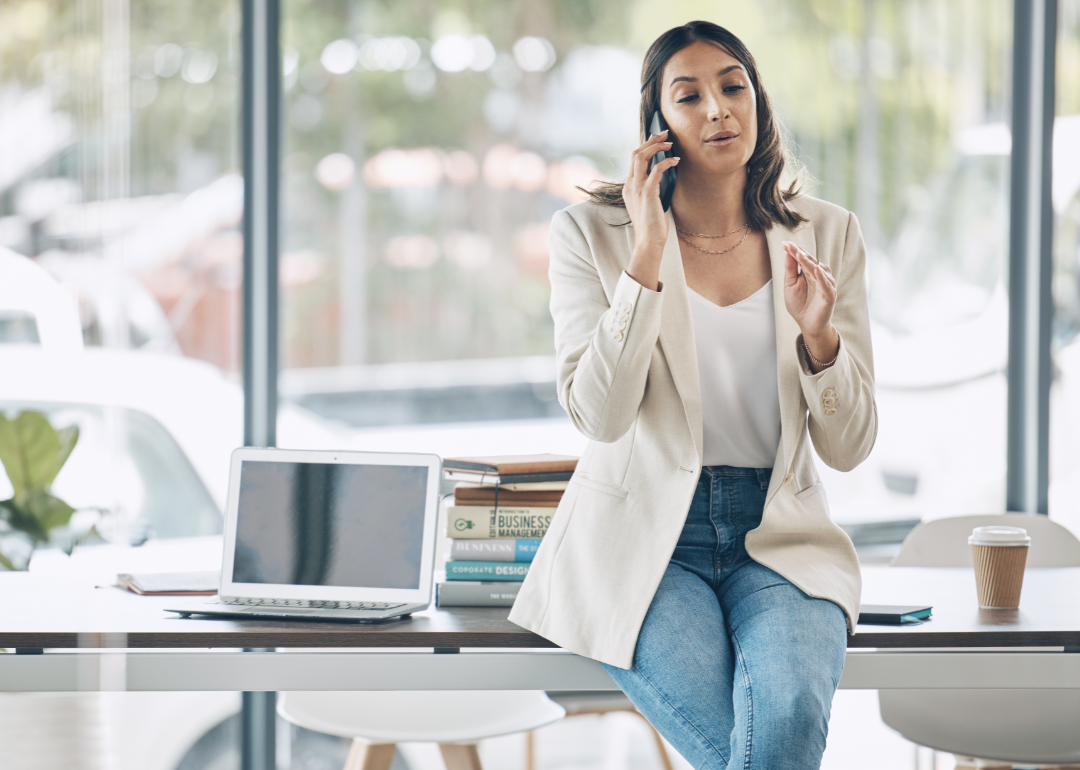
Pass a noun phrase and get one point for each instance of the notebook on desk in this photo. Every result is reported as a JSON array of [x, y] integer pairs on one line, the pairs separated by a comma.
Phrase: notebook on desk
[[327, 536], [170, 583]]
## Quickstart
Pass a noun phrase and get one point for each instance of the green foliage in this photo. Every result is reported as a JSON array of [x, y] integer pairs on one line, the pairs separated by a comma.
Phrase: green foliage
[[33, 452]]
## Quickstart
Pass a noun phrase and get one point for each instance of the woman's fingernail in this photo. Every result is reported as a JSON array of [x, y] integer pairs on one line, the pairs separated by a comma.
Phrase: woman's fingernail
[[677, 160]]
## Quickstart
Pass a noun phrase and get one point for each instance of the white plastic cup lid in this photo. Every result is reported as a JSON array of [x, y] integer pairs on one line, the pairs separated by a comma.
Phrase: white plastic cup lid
[[998, 535]]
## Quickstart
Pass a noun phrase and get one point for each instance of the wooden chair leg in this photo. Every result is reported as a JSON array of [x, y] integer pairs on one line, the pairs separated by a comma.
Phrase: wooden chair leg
[[664, 758], [369, 756], [460, 756], [530, 750]]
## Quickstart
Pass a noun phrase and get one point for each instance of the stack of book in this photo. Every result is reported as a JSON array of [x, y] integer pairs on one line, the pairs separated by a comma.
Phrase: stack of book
[[502, 509]]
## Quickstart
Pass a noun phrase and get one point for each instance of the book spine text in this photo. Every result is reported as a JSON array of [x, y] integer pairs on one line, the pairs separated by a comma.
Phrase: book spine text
[[470, 593], [494, 550], [485, 570], [472, 522]]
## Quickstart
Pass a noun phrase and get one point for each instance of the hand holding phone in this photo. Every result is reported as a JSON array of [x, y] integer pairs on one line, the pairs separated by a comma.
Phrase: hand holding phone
[[668, 178], [647, 196]]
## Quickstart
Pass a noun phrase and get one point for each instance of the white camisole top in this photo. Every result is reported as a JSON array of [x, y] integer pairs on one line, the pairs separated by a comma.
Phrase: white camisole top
[[740, 398]]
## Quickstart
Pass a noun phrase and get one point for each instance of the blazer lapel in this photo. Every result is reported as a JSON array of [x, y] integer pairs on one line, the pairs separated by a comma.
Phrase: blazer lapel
[[792, 409], [677, 332]]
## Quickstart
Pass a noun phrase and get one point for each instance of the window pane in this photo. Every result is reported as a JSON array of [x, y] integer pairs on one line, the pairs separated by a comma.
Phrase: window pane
[[1065, 195], [119, 176], [421, 175], [900, 111]]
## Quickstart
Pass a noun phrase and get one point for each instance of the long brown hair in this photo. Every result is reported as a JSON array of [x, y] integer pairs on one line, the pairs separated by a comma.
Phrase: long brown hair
[[766, 204]]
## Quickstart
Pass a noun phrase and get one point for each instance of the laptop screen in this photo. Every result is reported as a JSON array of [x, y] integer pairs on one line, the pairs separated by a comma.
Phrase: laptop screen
[[330, 524]]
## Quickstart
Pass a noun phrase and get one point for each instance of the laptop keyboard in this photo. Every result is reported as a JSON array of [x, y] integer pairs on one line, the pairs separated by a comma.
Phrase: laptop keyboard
[[308, 603]]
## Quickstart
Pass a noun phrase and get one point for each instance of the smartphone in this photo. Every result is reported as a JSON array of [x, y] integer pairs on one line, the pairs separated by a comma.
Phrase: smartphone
[[667, 179]]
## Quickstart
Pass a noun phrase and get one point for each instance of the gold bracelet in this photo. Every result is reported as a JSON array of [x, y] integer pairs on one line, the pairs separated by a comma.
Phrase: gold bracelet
[[814, 361]]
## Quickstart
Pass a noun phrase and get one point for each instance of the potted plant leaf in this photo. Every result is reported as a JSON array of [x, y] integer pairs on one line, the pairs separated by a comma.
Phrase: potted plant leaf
[[32, 452]]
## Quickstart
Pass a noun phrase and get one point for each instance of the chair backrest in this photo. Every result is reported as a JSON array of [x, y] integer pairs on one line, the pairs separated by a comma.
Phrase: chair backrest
[[26, 287], [943, 542]]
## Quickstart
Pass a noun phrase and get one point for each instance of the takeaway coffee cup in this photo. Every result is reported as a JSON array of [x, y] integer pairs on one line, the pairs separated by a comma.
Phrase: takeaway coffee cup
[[1000, 554]]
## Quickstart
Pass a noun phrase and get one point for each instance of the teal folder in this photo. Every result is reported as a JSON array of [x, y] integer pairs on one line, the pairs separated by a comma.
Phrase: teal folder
[[893, 614]]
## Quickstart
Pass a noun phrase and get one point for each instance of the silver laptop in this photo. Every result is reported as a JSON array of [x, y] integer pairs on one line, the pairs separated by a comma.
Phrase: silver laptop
[[327, 535]]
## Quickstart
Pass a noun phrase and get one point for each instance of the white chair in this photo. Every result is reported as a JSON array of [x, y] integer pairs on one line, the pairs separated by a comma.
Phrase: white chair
[[456, 720], [989, 728], [943, 542]]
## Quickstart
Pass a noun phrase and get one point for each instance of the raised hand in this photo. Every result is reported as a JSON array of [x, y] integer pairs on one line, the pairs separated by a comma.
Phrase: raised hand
[[642, 190], [641, 194], [810, 296]]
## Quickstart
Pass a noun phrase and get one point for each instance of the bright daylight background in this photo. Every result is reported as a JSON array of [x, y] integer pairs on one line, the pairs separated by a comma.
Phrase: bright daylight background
[[426, 145]]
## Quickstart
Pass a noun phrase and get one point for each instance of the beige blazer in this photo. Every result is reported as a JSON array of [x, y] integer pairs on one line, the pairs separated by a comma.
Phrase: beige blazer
[[628, 378]]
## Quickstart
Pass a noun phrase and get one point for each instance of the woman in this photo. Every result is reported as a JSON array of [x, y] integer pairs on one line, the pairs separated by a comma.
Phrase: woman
[[703, 352]]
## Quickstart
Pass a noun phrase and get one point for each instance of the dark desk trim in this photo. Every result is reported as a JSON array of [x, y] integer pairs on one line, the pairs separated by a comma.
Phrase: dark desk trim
[[50, 614], [261, 636], [881, 640], [404, 639]]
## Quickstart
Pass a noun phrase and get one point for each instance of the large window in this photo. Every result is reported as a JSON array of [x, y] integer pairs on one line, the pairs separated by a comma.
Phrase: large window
[[119, 175], [425, 148], [1065, 393]]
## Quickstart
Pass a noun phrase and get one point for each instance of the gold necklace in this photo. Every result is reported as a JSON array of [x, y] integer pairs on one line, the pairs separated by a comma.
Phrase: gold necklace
[[703, 235], [686, 240]]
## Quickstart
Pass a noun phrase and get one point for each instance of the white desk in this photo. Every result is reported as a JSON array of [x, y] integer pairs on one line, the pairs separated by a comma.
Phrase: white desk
[[108, 639]]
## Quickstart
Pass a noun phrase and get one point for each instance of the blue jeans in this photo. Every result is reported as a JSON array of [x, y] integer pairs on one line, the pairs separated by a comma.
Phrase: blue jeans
[[734, 665]]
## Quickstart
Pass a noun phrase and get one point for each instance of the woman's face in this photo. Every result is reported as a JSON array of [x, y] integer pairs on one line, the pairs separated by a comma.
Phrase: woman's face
[[711, 108]]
